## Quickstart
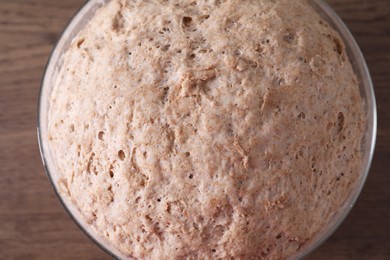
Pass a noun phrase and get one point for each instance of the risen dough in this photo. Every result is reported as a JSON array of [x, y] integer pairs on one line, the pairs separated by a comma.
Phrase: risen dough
[[207, 129]]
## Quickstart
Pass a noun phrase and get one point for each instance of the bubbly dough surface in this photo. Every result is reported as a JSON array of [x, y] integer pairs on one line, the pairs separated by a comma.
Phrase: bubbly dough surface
[[207, 129]]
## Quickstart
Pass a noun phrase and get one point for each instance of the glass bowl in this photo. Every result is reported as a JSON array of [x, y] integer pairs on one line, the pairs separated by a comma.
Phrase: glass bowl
[[84, 15]]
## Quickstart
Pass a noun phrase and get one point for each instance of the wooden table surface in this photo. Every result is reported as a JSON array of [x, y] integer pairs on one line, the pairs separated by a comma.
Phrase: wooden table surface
[[33, 224]]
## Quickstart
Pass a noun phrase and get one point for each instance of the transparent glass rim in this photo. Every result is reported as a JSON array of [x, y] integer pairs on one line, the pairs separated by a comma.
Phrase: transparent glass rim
[[360, 68]]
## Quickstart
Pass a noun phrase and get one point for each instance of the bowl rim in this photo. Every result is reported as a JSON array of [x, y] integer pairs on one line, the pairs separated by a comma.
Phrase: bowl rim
[[351, 43]]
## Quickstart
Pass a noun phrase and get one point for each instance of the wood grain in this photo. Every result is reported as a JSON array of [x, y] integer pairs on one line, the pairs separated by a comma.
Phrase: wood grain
[[33, 224]]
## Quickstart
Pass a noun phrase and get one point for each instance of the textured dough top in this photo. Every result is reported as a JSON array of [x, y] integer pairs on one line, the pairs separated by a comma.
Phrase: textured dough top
[[207, 129]]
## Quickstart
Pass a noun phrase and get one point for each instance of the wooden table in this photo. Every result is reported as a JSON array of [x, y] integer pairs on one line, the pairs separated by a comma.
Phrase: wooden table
[[33, 224]]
